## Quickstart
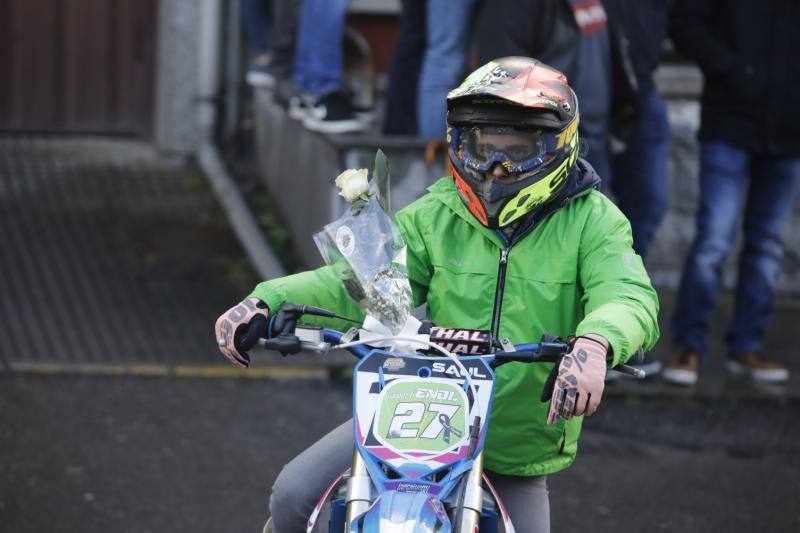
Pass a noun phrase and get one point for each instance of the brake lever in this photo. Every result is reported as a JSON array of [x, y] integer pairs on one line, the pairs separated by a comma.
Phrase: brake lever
[[285, 344], [285, 341]]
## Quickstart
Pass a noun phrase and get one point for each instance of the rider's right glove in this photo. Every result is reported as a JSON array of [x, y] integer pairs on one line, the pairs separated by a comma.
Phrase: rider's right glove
[[234, 333]]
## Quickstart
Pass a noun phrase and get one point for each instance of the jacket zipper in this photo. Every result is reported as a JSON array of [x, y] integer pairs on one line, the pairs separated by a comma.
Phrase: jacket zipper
[[498, 293]]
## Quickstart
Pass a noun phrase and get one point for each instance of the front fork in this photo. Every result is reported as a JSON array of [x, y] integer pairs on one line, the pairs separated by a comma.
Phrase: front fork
[[473, 498], [359, 489]]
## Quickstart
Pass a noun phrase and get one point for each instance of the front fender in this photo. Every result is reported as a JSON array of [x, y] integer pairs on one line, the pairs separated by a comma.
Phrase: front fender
[[403, 512]]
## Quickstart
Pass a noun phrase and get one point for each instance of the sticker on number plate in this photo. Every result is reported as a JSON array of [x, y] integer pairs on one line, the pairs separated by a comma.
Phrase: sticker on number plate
[[422, 415]]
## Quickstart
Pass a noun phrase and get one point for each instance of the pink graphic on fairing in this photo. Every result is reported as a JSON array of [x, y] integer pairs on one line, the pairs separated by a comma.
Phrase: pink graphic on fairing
[[451, 457], [503, 512], [313, 518], [384, 453]]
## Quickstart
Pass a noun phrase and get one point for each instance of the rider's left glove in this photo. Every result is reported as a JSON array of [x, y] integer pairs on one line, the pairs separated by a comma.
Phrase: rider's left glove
[[575, 386], [234, 326]]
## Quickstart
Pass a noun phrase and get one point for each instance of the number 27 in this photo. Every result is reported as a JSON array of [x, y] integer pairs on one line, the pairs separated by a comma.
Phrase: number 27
[[413, 413]]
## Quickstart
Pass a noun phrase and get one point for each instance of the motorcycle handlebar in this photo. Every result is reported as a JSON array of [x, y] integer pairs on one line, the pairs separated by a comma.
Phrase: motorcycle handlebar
[[286, 342]]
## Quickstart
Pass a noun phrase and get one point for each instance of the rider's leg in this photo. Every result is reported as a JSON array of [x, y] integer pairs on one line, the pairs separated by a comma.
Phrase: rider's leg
[[526, 499], [303, 480]]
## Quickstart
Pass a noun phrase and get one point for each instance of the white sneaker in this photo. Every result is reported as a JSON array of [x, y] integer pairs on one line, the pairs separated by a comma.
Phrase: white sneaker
[[682, 368], [333, 113], [753, 366]]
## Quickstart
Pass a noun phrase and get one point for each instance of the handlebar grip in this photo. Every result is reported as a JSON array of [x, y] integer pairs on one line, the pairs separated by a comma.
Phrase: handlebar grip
[[244, 339], [525, 356]]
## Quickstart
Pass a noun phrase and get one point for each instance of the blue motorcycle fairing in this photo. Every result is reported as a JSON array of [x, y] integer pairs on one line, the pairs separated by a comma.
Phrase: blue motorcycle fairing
[[374, 364], [404, 512]]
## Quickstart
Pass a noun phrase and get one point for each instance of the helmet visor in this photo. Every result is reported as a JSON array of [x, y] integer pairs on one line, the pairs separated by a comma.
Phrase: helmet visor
[[519, 150]]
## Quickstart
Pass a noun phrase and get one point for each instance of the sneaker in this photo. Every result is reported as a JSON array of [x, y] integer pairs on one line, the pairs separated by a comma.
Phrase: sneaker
[[259, 73], [300, 105], [333, 113], [363, 113], [753, 366], [682, 368]]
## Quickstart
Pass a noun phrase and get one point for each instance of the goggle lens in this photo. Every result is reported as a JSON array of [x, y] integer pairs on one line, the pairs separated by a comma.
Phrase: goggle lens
[[518, 149]]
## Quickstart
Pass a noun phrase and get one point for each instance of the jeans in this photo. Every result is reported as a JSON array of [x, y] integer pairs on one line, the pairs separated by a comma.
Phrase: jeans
[[301, 483], [256, 17], [733, 181], [401, 96], [445, 61], [639, 174], [318, 58]]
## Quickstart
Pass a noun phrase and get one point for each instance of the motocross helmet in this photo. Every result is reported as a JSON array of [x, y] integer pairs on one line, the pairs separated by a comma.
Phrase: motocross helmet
[[521, 114]]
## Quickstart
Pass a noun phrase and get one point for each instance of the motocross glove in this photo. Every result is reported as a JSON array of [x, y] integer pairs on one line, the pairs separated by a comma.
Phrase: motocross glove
[[233, 329], [575, 386]]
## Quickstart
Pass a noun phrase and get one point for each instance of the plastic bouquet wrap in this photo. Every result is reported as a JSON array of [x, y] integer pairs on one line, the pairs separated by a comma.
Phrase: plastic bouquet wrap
[[366, 249]]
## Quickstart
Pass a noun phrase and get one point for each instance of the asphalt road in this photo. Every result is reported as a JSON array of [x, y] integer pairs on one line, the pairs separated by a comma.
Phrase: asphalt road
[[135, 454]]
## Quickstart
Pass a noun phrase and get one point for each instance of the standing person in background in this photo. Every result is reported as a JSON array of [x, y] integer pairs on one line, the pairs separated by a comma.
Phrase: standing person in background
[[448, 26], [271, 30], [639, 171], [401, 95], [322, 103], [573, 36], [749, 168], [285, 16], [257, 18]]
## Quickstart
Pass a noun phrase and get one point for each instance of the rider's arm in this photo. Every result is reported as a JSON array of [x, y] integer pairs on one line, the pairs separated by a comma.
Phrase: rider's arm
[[323, 288], [619, 302], [320, 288]]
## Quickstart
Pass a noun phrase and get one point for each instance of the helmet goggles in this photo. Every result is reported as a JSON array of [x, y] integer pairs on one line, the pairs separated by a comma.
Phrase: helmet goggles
[[519, 150]]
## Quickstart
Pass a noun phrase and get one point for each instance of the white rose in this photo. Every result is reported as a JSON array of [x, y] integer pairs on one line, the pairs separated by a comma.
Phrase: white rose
[[353, 183]]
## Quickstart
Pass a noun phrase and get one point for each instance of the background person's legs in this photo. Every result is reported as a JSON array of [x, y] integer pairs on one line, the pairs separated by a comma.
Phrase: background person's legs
[[773, 188], [318, 60], [724, 178], [640, 172], [401, 95]]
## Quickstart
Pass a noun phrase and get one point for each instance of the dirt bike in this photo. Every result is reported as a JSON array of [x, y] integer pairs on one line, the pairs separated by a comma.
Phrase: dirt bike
[[419, 426]]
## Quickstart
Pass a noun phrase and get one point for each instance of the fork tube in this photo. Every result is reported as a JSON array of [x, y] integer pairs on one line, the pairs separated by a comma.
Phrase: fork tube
[[358, 489], [473, 498]]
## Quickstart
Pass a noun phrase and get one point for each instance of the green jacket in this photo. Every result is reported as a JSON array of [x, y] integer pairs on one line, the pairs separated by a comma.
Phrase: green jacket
[[575, 272]]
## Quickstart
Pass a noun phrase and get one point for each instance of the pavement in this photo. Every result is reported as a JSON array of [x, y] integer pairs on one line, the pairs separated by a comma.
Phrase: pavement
[[136, 454]]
